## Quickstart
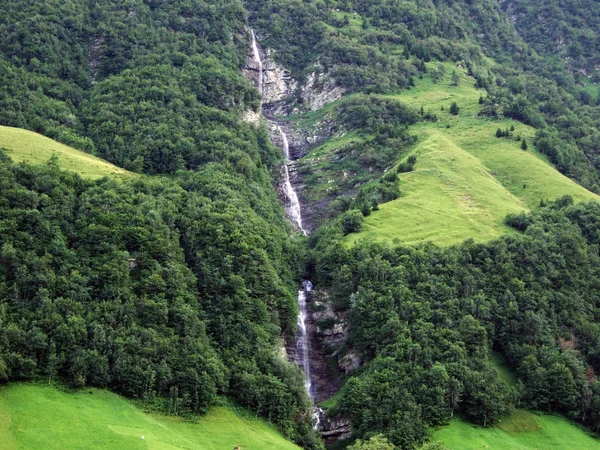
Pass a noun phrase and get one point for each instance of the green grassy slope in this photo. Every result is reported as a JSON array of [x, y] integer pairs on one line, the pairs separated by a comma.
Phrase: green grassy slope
[[24, 145], [42, 417], [466, 179], [449, 196], [519, 431]]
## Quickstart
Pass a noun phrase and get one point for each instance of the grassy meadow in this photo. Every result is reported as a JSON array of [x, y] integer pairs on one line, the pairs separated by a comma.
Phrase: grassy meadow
[[23, 145], [466, 180], [42, 417], [521, 430]]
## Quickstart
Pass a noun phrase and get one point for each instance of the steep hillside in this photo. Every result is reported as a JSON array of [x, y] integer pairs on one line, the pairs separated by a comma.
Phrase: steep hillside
[[564, 30], [33, 148], [449, 197], [465, 179], [36, 416], [409, 123]]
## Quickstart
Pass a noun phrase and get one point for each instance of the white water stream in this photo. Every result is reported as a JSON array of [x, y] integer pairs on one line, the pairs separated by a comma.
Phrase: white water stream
[[294, 212], [258, 61], [293, 209], [302, 342]]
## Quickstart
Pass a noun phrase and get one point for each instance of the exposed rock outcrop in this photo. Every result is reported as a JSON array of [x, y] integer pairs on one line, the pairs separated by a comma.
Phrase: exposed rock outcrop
[[320, 89], [278, 84], [336, 429], [281, 91]]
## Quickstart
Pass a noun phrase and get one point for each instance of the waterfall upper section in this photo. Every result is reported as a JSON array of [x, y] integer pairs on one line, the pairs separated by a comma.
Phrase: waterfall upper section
[[258, 61]]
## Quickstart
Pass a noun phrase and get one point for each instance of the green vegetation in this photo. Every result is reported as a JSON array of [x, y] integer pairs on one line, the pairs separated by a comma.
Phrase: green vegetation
[[449, 197], [521, 430], [465, 179], [33, 148], [128, 285], [177, 290], [150, 87], [35, 416], [424, 319], [173, 290], [504, 372], [384, 46], [565, 30]]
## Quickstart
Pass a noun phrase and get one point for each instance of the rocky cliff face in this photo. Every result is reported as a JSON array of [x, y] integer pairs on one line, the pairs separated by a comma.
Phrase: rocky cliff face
[[320, 89], [281, 91], [336, 428]]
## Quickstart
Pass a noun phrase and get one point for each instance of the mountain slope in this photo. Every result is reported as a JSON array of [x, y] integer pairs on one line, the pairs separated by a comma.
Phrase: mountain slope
[[45, 417], [520, 431], [33, 148], [466, 180], [449, 197]]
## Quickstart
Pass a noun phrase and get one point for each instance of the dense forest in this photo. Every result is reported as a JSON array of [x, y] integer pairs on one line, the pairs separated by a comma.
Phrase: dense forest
[[175, 291], [425, 319], [178, 286], [129, 83]]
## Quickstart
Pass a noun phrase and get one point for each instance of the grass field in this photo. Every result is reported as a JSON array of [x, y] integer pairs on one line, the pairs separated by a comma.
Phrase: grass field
[[24, 145], [449, 197], [45, 418], [466, 180], [521, 430]]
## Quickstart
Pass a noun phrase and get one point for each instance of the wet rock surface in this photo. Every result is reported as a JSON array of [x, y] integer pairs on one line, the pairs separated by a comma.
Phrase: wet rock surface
[[326, 376], [336, 428]]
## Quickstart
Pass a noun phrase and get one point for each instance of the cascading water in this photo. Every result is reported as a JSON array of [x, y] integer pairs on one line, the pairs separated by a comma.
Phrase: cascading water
[[302, 337], [258, 61], [293, 208], [295, 213], [302, 343]]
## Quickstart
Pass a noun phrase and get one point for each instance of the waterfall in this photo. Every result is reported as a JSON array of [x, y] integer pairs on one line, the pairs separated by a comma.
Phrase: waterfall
[[293, 209], [295, 214], [258, 60], [302, 344], [302, 336], [303, 351]]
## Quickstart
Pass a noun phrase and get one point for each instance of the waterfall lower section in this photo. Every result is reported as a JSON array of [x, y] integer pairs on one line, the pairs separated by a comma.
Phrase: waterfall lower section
[[303, 350], [302, 343]]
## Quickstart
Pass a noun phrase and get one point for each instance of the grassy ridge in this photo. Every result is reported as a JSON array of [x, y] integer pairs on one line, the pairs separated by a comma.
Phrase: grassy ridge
[[42, 417], [449, 196], [466, 179], [24, 145]]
